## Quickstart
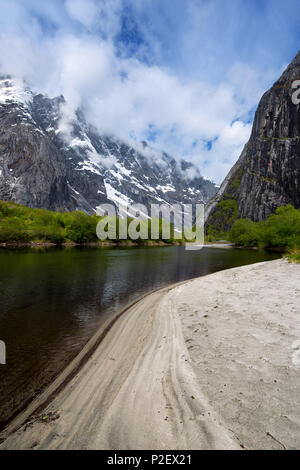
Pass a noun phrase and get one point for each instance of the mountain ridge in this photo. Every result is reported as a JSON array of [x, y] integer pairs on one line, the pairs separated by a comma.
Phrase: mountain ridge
[[43, 168]]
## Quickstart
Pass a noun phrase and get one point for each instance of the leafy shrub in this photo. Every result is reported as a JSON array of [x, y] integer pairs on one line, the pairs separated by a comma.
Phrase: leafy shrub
[[294, 255], [226, 212], [13, 230], [244, 232], [281, 229], [81, 228]]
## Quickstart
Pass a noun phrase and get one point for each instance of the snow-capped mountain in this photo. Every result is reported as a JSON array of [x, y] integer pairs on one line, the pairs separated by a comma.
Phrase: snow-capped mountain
[[41, 166]]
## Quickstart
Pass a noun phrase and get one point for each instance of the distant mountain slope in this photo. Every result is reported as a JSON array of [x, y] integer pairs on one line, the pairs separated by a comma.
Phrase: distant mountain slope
[[41, 168], [267, 174]]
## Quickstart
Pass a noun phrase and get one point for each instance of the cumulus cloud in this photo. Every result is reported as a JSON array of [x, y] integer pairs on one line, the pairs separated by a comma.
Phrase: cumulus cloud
[[102, 15], [84, 11], [74, 51]]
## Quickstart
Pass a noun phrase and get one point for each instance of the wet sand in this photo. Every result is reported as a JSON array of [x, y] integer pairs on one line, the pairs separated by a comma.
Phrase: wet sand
[[207, 364]]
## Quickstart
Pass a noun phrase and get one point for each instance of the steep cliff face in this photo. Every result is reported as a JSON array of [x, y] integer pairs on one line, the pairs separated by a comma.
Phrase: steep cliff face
[[43, 168], [32, 170], [267, 174]]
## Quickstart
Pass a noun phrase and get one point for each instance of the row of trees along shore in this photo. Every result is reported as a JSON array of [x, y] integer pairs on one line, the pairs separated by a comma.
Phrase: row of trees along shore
[[280, 230], [21, 224]]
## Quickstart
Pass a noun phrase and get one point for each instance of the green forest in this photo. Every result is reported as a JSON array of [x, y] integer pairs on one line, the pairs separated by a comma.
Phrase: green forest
[[21, 224], [280, 230]]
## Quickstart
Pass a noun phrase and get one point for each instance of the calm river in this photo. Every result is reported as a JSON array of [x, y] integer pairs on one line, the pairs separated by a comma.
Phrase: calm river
[[52, 302]]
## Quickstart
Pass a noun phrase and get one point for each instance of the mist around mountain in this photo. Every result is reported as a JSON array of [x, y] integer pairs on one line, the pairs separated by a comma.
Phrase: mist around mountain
[[48, 163]]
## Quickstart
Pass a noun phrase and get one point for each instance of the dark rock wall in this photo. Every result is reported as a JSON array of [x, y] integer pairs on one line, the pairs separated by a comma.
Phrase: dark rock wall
[[267, 174]]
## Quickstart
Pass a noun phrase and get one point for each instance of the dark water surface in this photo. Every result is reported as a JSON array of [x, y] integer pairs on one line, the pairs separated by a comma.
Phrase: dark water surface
[[53, 301]]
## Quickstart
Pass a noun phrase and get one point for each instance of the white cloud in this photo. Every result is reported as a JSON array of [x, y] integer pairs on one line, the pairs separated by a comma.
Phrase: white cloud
[[104, 15], [124, 96], [84, 11], [227, 149]]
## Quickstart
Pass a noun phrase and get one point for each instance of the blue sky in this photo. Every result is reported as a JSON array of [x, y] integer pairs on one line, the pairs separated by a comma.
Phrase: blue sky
[[185, 74]]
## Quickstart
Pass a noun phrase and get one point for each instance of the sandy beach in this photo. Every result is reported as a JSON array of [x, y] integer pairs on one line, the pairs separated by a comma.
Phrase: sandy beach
[[207, 364]]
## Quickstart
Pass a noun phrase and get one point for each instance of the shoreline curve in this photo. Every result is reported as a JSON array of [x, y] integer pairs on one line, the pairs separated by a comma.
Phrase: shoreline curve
[[202, 364], [66, 375]]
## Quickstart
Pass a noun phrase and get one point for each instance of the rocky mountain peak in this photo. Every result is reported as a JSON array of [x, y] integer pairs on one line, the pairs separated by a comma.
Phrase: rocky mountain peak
[[267, 174], [13, 90], [41, 166]]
